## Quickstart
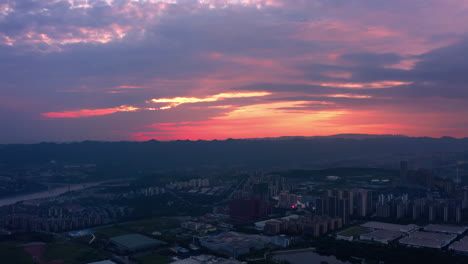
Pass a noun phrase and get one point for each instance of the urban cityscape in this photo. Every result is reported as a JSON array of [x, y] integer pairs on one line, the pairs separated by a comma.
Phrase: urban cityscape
[[331, 215]]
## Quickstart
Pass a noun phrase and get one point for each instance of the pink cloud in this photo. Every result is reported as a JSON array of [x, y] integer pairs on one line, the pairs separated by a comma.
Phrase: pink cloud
[[89, 112], [55, 38], [176, 101]]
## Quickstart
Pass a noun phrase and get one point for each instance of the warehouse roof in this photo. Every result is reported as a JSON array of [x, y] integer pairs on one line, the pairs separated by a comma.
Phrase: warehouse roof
[[419, 242], [390, 227], [446, 229], [382, 236], [103, 262], [459, 246], [428, 239], [433, 236]]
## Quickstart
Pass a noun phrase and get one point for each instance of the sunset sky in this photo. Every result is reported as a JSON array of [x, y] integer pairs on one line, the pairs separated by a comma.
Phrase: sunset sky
[[74, 70]]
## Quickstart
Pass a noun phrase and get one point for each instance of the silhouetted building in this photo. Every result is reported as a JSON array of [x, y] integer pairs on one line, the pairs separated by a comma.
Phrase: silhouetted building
[[246, 210], [260, 191], [335, 203], [287, 200], [383, 210], [364, 202], [272, 227], [421, 177], [403, 172]]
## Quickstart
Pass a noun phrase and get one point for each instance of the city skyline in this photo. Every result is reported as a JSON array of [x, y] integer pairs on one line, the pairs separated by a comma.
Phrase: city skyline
[[115, 70]]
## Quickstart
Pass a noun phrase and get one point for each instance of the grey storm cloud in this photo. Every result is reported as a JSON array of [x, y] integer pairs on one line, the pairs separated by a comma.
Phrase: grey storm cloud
[[372, 59]]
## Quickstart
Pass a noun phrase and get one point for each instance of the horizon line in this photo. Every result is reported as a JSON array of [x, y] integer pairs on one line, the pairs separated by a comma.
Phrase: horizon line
[[344, 135]]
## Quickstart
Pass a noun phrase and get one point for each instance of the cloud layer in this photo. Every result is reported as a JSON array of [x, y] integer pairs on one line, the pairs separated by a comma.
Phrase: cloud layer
[[205, 69]]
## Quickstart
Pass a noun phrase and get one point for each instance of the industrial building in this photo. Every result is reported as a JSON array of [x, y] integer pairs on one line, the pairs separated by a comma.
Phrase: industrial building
[[300, 225], [352, 233], [204, 259], [457, 230], [282, 241], [382, 236], [233, 244], [103, 262], [428, 239], [134, 242], [261, 225], [459, 247], [390, 227]]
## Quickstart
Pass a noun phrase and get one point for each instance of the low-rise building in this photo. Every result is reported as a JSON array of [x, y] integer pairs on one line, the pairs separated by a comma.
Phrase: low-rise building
[[382, 236], [273, 227], [427, 239], [282, 241], [103, 262], [459, 247], [232, 243], [204, 259], [390, 227], [352, 233], [458, 230], [191, 225]]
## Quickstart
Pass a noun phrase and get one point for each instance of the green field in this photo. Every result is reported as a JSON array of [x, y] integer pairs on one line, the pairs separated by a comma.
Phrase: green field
[[73, 253], [69, 253], [353, 231], [10, 253], [146, 226], [149, 226]]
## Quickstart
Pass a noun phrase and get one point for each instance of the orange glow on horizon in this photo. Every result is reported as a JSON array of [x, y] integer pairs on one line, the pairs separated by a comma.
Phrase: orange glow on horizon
[[268, 120]]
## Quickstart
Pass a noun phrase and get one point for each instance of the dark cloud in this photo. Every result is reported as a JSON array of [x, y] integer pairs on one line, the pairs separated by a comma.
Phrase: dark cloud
[[372, 59]]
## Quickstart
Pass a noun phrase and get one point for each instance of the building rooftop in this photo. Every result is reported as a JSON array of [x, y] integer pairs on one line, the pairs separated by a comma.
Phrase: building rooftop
[[433, 236], [383, 236], [353, 231], [103, 262], [234, 244], [428, 239], [261, 224], [418, 242], [135, 241], [390, 227], [206, 259], [289, 217], [446, 229], [459, 246], [235, 238], [464, 240]]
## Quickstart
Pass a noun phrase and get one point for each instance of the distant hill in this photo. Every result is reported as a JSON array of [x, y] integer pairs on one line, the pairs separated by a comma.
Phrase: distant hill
[[285, 152]]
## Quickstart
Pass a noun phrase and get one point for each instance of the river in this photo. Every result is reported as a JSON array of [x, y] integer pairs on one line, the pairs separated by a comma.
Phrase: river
[[50, 193]]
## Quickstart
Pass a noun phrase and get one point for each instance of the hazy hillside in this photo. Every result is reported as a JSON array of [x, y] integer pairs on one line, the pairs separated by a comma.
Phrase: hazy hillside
[[267, 153]]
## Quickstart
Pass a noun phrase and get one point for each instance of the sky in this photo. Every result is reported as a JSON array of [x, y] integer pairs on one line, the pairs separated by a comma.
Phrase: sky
[[73, 70]]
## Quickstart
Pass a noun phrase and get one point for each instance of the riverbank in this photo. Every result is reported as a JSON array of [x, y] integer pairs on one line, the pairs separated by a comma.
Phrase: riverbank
[[48, 193]]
